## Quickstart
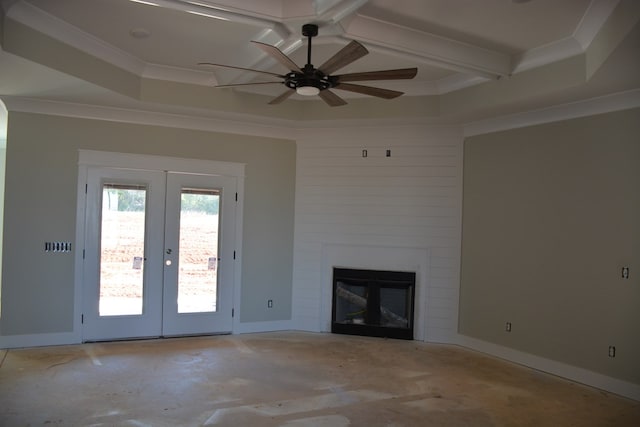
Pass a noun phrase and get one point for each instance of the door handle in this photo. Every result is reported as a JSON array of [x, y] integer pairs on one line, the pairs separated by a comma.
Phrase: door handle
[[169, 251]]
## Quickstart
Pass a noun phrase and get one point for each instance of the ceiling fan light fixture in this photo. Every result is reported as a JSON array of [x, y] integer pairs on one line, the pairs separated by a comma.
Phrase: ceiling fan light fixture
[[307, 90]]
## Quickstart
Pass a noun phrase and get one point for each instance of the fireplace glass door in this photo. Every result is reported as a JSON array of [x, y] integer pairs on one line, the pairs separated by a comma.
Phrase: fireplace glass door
[[373, 303]]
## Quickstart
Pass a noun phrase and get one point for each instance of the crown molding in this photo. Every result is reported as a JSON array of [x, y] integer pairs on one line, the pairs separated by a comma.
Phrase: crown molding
[[233, 123], [265, 10], [592, 21], [334, 12], [589, 107], [218, 122], [179, 75], [226, 13], [547, 54], [252, 125], [41, 21], [446, 53], [457, 82]]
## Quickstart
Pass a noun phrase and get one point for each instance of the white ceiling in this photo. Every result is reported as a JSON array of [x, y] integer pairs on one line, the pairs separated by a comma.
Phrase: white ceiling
[[454, 43]]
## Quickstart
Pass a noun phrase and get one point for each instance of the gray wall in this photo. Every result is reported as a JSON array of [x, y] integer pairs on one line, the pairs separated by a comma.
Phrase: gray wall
[[551, 214], [40, 205]]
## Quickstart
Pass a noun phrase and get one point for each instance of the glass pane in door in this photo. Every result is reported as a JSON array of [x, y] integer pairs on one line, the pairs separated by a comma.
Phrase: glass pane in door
[[198, 249], [122, 249]]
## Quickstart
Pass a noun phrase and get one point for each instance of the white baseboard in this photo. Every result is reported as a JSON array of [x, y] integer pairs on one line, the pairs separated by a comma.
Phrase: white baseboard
[[580, 375], [39, 340], [270, 326], [64, 338]]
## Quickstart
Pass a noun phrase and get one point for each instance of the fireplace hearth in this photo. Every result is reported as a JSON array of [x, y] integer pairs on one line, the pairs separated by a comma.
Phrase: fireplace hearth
[[373, 303]]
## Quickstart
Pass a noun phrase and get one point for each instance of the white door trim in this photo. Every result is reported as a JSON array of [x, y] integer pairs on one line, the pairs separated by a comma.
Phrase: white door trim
[[87, 158], [160, 163]]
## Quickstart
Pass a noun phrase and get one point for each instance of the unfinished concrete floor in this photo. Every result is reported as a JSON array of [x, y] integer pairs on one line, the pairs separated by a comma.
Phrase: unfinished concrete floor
[[290, 379]]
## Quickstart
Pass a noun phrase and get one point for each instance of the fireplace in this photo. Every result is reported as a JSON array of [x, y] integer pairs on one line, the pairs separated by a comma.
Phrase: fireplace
[[373, 303]]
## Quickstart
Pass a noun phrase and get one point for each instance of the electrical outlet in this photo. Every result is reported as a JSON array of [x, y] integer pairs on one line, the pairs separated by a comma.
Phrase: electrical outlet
[[508, 327], [270, 303], [612, 351], [625, 272]]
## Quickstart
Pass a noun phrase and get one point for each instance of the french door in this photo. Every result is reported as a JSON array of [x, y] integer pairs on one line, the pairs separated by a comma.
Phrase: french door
[[159, 254]]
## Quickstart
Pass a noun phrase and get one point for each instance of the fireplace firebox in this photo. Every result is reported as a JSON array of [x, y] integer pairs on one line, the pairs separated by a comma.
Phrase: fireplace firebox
[[373, 303]]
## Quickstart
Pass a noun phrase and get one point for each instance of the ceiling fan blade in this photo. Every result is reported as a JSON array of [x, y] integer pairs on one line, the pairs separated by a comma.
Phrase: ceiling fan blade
[[403, 73], [241, 68], [345, 56], [251, 84], [331, 98], [280, 98], [277, 54], [369, 90]]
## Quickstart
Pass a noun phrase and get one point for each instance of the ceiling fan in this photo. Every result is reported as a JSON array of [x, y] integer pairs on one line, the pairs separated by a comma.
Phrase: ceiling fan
[[310, 81]]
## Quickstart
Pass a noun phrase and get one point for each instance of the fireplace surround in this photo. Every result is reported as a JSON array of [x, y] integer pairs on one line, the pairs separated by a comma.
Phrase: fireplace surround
[[373, 303]]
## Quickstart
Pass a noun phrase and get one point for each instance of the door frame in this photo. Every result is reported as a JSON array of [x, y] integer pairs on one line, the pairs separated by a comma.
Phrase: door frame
[[105, 159]]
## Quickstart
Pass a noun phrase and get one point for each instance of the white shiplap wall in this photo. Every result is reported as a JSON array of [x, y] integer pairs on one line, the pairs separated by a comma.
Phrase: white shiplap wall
[[401, 212]]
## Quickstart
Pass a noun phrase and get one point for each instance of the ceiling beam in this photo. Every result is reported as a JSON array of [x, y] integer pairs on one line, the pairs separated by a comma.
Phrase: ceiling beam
[[337, 11], [444, 52], [213, 11]]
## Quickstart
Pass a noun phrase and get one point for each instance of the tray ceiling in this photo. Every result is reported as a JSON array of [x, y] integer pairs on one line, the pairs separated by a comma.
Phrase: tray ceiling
[[454, 43]]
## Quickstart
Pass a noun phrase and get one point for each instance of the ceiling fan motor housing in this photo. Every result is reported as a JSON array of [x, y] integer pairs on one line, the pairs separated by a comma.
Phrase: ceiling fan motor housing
[[309, 77]]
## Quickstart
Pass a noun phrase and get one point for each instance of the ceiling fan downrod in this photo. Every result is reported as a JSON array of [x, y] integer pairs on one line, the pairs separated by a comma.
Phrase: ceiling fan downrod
[[309, 31], [312, 81]]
